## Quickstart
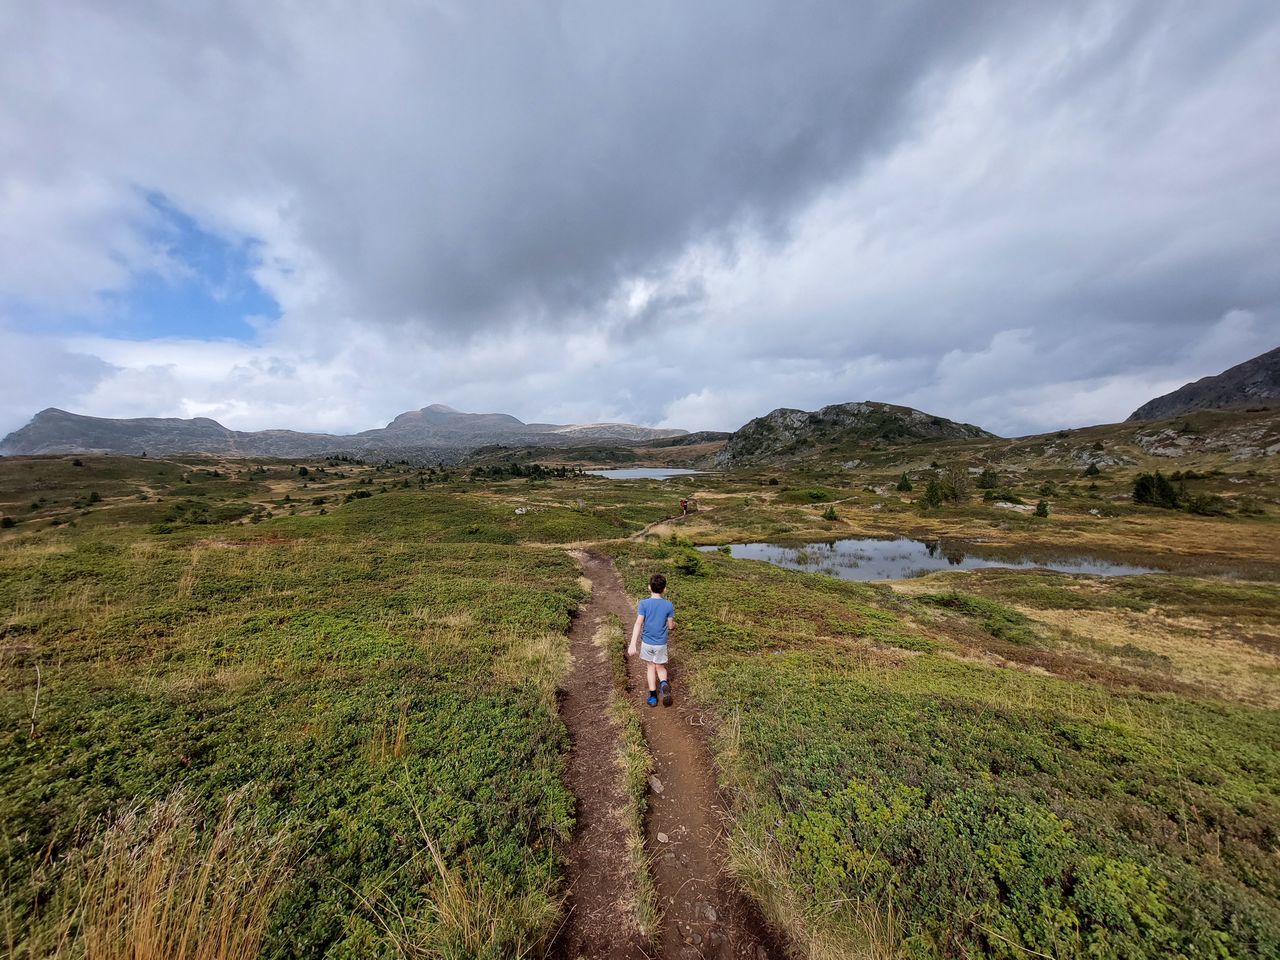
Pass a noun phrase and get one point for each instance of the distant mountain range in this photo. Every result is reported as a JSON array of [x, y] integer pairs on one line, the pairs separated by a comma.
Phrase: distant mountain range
[[435, 430], [786, 434], [438, 432], [1255, 382]]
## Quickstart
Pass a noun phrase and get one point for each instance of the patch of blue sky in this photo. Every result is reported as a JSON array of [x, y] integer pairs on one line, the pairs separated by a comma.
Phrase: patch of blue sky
[[205, 290]]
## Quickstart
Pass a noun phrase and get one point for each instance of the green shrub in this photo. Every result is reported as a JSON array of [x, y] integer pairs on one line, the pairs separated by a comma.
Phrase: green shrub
[[995, 618], [830, 514], [1154, 489], [690, 562], [904, 484], [1207, 505], [808, 495], [932, 494], [1042, 508]]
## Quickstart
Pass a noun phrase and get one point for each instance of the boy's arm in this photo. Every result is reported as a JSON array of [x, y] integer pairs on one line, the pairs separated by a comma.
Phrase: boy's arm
[[635, 635]]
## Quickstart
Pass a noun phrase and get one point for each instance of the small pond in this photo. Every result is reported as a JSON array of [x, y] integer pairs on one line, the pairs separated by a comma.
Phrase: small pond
[[642, 473], [867, 558]]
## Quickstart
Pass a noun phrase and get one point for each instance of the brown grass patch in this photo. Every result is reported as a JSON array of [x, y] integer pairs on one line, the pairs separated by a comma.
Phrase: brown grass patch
[[161, 884], [1197, 652]]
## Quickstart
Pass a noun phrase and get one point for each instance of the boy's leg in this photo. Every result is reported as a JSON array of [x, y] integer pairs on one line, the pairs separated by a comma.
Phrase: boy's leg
[[652, 672], [664, 688]]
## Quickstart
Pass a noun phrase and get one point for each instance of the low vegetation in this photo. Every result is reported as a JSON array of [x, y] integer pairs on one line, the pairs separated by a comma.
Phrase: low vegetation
[[380, 680], [920, 804], [308, 709]]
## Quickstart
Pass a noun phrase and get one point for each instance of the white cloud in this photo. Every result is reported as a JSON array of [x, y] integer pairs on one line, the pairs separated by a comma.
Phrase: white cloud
[[687, 217]]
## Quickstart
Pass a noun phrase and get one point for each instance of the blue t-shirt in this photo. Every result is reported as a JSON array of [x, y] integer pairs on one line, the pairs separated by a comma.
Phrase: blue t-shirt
[[655, 611]]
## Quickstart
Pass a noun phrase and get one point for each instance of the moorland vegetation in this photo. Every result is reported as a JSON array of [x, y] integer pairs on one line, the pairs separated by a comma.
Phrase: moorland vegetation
[[218, 670]]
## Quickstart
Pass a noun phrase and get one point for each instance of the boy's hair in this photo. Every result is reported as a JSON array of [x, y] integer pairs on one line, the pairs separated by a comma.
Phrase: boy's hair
[[657, 583]]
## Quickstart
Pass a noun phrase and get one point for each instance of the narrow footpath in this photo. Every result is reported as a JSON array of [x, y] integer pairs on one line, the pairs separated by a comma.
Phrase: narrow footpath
[[704, 915], [599, 921]]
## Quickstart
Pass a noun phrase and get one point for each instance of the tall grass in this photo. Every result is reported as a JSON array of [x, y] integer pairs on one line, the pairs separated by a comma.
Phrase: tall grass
[[845, 929], [462, 917], [162, 884], [637, 764]]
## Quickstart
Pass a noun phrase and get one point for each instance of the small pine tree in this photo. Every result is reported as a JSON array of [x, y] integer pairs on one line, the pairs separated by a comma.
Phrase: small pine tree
[[1092, 470], [904, 484], [1155, 489], [1042, 508], [932, 494], [830, 513], [988, 479]]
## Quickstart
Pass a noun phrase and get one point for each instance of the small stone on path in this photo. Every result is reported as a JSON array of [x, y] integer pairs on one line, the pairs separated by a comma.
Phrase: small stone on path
[[655, 784], [663, 838]]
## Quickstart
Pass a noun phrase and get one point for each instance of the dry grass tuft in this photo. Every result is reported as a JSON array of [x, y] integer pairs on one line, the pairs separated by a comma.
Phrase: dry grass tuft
[[157, 886], [540, 659], [389, 744], [462, 918]]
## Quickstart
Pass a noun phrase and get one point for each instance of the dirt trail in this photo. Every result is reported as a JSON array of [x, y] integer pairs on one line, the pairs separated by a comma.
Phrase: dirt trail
[[599, 921], [704, 914]]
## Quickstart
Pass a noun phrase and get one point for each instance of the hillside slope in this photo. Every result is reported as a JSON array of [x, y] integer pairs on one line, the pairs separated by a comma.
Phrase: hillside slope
[[435, 428], [1254, 382], [787, 434]]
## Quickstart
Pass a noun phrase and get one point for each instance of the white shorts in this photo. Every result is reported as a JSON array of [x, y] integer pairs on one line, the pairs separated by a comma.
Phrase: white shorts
[[653, 652]]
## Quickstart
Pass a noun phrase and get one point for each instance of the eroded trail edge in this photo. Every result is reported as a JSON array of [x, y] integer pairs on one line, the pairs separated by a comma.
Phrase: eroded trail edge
[[704, 915], [599, 915]]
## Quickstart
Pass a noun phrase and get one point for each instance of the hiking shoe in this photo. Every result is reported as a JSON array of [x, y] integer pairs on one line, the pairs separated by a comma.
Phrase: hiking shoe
[[666, 694], [653, 700]]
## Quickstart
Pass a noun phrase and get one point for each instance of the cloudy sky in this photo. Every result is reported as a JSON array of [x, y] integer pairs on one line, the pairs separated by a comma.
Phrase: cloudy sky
[[318, 215]]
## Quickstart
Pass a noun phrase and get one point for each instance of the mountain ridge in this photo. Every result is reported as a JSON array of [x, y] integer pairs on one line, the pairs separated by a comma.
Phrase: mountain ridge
[[1257, 380], [432, 428]]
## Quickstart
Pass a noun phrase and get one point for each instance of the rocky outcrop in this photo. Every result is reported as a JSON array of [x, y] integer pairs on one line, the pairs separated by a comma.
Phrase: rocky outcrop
[[1255, 382], [787, 434], [433, 428]]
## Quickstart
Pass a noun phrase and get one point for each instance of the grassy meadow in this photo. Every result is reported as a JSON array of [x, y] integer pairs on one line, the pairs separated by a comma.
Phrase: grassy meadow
[[899, 795], [310, 709], [374, 685]]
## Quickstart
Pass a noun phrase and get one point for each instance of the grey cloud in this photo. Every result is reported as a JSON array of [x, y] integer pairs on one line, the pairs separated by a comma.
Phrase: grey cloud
[[467, 163], [1011, 215]]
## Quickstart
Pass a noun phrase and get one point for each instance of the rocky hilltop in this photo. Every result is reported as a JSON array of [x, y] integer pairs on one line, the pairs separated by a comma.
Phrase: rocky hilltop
[[1255, 382], [436, 430], [787, 434]]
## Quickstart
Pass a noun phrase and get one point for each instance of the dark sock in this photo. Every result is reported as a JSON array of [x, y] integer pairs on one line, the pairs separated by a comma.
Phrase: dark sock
[[653, 693]]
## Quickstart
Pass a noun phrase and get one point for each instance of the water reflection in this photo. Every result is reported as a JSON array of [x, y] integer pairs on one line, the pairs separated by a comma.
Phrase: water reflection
[[866, 558], [642, 473]]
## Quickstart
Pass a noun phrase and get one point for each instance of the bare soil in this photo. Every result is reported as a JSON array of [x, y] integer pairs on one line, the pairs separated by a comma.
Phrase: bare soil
[[704, 915], [599, 917]]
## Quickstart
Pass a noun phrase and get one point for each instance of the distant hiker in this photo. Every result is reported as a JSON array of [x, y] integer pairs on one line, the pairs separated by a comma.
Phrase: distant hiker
[[684, 508], [655, 618]]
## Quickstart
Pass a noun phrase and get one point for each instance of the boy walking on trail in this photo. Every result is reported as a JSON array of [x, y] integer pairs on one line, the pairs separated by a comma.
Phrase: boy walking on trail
[[655, 617]]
